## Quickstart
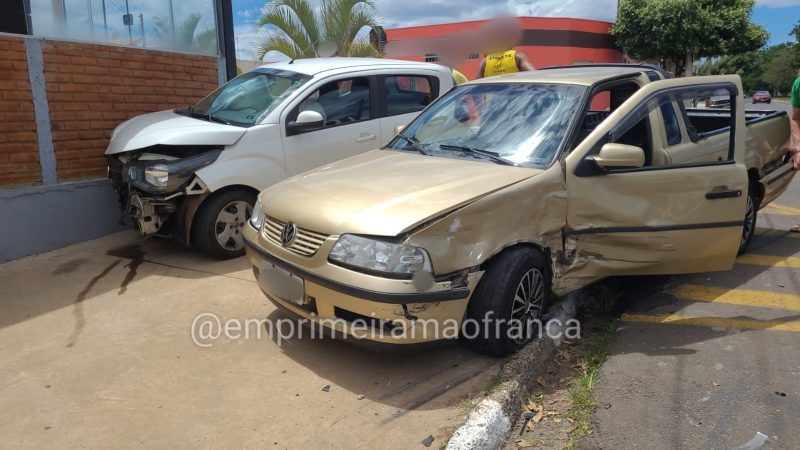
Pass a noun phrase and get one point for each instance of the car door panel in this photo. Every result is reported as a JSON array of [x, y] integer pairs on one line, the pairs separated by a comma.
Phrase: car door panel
[[351, 123], [653, 220]]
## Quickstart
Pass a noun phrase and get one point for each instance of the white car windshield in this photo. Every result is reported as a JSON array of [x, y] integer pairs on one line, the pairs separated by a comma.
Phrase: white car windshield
[[522, 124], [245, 99]]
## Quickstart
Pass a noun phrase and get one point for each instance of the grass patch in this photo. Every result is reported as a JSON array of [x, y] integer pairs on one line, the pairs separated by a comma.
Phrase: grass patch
[[494, 382], [582, 387]]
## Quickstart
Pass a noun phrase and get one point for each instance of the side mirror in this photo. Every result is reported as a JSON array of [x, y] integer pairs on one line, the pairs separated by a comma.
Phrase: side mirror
[[306, 121], [619, 156], [399, 129]]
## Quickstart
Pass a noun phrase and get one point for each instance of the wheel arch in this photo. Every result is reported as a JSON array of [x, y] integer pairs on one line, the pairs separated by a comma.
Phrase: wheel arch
[[191, 211]]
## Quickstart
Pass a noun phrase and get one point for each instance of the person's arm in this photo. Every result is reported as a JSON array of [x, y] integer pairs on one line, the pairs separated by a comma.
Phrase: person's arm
[[482, 68], [794, 143], [794, 146], [523, 64]]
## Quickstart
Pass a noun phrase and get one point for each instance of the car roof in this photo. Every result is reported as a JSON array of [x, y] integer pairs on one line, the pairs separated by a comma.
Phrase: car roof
[[585, 75], [314, 66]]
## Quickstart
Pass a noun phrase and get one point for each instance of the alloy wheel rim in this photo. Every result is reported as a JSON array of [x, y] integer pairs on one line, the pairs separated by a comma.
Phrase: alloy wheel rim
[[528, 302], [230, 225]]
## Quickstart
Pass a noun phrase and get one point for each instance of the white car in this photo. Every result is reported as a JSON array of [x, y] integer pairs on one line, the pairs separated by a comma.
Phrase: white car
[[193, 174]]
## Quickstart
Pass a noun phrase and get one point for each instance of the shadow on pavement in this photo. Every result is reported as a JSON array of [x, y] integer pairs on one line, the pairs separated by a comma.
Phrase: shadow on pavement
[[413, 380]]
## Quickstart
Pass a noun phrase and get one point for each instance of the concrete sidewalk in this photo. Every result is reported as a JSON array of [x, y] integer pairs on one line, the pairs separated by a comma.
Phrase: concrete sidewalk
[[97, 352]]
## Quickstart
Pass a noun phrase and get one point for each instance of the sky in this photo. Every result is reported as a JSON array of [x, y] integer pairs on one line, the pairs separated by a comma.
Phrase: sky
[[778, 16]]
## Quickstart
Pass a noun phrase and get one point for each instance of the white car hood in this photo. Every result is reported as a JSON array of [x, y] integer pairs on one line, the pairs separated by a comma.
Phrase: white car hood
[[170, 128]]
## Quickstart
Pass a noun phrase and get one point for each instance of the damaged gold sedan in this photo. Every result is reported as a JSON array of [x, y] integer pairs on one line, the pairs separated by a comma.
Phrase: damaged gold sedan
[[511, 189]]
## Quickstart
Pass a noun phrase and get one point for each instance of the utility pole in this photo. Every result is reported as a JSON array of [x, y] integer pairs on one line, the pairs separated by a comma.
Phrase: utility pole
[[141, 23], [128, 15], [105, 19], [172, 22]]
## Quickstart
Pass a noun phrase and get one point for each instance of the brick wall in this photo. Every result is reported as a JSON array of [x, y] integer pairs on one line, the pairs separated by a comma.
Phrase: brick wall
[[19, 151], [93, 88]]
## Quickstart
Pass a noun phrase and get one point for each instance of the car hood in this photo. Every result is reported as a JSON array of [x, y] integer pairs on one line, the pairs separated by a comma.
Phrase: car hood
[[170, 128], [384, 192]]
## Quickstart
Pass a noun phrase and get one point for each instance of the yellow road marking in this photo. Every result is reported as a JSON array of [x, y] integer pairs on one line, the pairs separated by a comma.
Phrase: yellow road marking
[[781, 210], [713, 322], [745, 297], [769, 261]]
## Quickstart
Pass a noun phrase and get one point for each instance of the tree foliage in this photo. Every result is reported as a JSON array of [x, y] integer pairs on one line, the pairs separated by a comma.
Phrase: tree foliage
[[187, 36], [773, 68], [672, 31], [296, 27]]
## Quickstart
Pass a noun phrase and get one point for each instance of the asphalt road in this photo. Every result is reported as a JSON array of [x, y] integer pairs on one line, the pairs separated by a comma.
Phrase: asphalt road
[[710, 360]]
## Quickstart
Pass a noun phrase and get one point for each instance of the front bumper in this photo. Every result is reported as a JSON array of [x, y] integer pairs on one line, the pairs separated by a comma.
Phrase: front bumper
[[394, 314]]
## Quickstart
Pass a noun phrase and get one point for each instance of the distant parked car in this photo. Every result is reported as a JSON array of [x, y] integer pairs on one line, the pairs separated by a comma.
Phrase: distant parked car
[[192, 174], [762, 97]]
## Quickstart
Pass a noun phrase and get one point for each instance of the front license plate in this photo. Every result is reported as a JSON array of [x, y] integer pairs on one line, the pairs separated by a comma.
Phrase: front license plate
[[281, 284]]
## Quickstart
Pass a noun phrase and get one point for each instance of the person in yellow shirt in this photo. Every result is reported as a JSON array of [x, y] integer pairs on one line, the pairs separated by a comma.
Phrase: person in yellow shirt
[[509, 61]]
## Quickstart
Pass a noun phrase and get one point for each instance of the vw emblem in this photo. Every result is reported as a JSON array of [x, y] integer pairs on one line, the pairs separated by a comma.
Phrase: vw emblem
[[288, 234]]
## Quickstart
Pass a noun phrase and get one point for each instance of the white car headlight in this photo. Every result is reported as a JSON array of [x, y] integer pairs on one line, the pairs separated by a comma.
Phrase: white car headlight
[[257, 219], [157, 175], [379, 256]]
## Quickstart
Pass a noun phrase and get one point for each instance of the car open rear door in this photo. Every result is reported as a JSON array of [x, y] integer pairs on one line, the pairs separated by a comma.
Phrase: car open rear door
[[659, 218]]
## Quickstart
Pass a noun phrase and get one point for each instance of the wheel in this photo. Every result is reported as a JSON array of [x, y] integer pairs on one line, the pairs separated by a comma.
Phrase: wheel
[[507, 305], [217, 228], [750, 216]]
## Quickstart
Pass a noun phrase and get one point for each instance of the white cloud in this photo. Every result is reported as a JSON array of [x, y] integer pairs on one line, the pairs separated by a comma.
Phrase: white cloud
[[246, 13]]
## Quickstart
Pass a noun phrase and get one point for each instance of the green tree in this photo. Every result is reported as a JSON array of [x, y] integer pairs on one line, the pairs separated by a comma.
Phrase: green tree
[[749, 66], [676, 32], [781, 71], [187, 36], [296, 27]]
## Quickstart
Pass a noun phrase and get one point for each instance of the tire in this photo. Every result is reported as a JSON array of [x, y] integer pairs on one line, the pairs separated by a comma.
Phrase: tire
[[217, 228], [750, 217], [512, 272]]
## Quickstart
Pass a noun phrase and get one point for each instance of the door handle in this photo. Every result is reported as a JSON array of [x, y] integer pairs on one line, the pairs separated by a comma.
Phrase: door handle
[[366, 138], [730, 193]]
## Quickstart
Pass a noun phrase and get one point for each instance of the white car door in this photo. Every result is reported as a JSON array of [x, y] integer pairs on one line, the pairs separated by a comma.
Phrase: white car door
[[403, 97], [348, 105]]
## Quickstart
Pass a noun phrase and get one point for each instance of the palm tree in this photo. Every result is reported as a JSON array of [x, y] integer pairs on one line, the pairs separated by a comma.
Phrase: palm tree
[[298, 26], [187, 37]]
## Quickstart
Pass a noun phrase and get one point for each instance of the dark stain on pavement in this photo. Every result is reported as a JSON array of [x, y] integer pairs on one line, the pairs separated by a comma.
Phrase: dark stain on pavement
[[70, 266], [77, 311], [136, 255]]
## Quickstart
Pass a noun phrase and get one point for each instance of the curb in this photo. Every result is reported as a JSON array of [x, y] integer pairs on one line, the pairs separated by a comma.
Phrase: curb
[[491, 420]]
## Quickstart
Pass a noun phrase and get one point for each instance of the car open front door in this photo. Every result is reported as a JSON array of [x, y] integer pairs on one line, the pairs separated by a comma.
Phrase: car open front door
[[633, 212]]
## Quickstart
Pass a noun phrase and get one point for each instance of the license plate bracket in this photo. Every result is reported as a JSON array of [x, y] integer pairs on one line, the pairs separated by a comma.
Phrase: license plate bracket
[[281, 283]]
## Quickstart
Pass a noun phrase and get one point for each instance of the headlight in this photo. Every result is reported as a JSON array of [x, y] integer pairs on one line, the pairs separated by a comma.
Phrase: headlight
[[379, 256], [257, 219], [163, 176], [157, 175]]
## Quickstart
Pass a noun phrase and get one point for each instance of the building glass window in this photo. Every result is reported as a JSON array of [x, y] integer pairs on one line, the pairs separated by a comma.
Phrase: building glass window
[[174, 25]]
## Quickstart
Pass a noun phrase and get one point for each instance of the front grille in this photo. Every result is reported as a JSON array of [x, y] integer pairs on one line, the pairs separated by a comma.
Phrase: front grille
[[306, 243]]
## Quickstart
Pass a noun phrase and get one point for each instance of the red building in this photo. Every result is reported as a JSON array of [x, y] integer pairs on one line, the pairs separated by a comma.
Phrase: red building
[[545, 41]]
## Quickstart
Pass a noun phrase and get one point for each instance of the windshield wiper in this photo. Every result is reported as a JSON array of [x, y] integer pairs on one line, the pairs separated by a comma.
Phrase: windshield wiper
[[208, 117], [212, 118], [477, 151], [415, 144]]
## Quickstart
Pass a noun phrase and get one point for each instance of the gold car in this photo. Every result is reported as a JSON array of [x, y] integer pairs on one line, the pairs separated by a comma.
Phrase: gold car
[[513, 188]]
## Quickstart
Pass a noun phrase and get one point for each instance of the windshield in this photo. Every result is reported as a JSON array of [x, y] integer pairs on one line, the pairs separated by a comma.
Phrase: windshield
[[522, 124], [245, 99]]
